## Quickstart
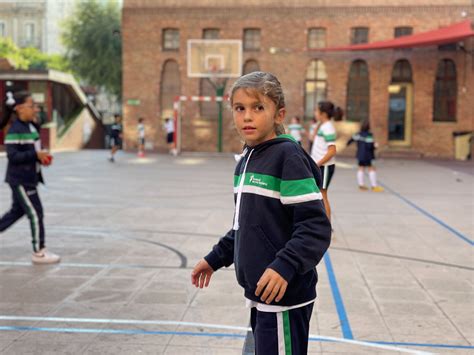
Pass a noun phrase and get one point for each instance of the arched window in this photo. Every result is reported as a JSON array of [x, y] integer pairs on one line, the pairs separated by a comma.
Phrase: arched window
[[170, 87], [445, 92], [250, 66], [358, 93], [207, 109], [315, 87], [402, 72]]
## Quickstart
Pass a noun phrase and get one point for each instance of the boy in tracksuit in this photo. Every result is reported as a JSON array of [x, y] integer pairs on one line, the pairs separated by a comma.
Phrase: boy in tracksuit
[[365, 155], [25, 158], [116, 136], [280, 230]]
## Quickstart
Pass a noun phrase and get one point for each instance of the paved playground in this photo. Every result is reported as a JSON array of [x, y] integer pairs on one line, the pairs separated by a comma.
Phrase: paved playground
[[398, 277]]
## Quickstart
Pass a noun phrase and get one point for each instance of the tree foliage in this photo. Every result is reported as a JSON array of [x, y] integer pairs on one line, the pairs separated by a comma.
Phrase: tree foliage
[[31, 58], [94, 49], [9, 50]]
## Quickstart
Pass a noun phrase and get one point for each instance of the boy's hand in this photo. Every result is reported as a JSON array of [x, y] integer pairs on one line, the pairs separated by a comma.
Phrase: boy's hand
[[274, 285], [201, 275]]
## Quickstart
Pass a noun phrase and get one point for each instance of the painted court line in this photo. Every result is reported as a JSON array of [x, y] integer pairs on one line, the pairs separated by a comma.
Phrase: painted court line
[[429, 215], [336, 294], [200, 334], [94, 266], [185, 324]]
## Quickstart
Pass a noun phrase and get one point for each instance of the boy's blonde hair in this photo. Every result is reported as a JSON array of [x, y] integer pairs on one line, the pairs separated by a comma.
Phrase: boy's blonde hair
[[265, 84]]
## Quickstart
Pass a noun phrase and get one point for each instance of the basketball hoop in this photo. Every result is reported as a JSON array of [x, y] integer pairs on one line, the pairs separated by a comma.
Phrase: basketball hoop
[[217, 61]]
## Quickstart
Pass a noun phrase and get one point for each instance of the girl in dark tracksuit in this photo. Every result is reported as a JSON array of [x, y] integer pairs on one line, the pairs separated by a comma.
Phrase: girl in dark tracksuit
[[25, 158], [365, 155], [280, 230]]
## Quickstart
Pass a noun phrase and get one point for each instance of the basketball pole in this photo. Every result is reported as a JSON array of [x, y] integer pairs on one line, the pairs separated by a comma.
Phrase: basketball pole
[[220, 89], [220, 92]]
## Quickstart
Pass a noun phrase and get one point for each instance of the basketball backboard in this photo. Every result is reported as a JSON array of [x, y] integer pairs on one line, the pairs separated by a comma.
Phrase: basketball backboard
[[214, 58]]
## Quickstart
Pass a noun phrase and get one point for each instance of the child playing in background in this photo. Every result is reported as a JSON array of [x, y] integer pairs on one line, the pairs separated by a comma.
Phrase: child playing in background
[[116, 137], [296, 129], [280, 230], [365, 154], [324, 147], [141, 137], [311, 133], [169, 128]]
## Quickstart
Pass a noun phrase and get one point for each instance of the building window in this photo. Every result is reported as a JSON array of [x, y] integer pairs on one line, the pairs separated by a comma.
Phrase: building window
[[171, 39], [30, 31], [252, 39], [445, 92], [210, 33], [316, 38], [170, 87], [402, 72], [403, 31], [29, 36], [358, 93], [359, 35], [315, 88], [250, 66], [3, 31]]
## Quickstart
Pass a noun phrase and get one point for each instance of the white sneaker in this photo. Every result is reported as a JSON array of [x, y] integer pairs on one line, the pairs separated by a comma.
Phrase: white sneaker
[[45, 257]]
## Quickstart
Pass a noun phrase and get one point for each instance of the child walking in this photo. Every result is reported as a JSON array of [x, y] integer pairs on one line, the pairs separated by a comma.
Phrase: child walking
[[25, 158], [141, 137], [324, 147], [365, 154], [116, 137], [280, 230]]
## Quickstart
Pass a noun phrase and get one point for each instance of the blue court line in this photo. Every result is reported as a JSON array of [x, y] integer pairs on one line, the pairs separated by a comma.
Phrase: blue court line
[[429, 215], [336, 294], [202, 334], [120, 331], [448, 346]]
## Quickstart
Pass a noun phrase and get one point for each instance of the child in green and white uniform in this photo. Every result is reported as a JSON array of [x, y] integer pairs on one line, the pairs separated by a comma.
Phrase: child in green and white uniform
[[295, 129], [324, 148]]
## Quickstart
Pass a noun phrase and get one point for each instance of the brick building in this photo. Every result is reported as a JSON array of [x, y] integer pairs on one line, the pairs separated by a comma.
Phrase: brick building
[[415, 98]]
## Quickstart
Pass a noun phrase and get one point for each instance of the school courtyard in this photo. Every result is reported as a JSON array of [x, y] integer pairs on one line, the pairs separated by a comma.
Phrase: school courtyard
[[398, 277]]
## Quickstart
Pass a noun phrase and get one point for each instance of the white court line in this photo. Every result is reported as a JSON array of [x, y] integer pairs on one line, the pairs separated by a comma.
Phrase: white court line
[[201, 325]]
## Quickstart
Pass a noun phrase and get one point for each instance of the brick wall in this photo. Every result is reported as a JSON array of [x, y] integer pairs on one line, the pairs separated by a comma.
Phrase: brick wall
[[285, 28]]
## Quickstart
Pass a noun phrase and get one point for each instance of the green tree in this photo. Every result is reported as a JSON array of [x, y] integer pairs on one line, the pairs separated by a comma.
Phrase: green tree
[[9, 50], [31, 58], [94, 49], [41, 61]]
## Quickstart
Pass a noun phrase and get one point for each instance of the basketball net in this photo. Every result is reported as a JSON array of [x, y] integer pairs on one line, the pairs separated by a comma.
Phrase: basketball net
[[218, 83]]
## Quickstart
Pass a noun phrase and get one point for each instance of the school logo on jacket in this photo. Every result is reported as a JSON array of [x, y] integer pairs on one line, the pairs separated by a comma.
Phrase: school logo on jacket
[[257, 181]]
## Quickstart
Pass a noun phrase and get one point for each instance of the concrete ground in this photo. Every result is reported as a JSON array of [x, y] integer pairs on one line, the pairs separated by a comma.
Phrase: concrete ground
[[398, 277]]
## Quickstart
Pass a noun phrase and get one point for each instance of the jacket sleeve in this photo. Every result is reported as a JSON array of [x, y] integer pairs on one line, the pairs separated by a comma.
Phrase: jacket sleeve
[[311, 228], [222, 253]]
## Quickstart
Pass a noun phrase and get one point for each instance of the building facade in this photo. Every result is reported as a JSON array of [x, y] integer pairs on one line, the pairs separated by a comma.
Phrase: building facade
[[35, 23], [414, 98]]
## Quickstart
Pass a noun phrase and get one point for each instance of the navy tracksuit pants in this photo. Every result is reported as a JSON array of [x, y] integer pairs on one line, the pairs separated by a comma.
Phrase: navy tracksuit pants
[[25, 200], [281, 333]]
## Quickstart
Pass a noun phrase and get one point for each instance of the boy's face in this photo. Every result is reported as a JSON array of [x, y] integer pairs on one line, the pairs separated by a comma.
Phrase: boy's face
[[255, 117], [28, 110]]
